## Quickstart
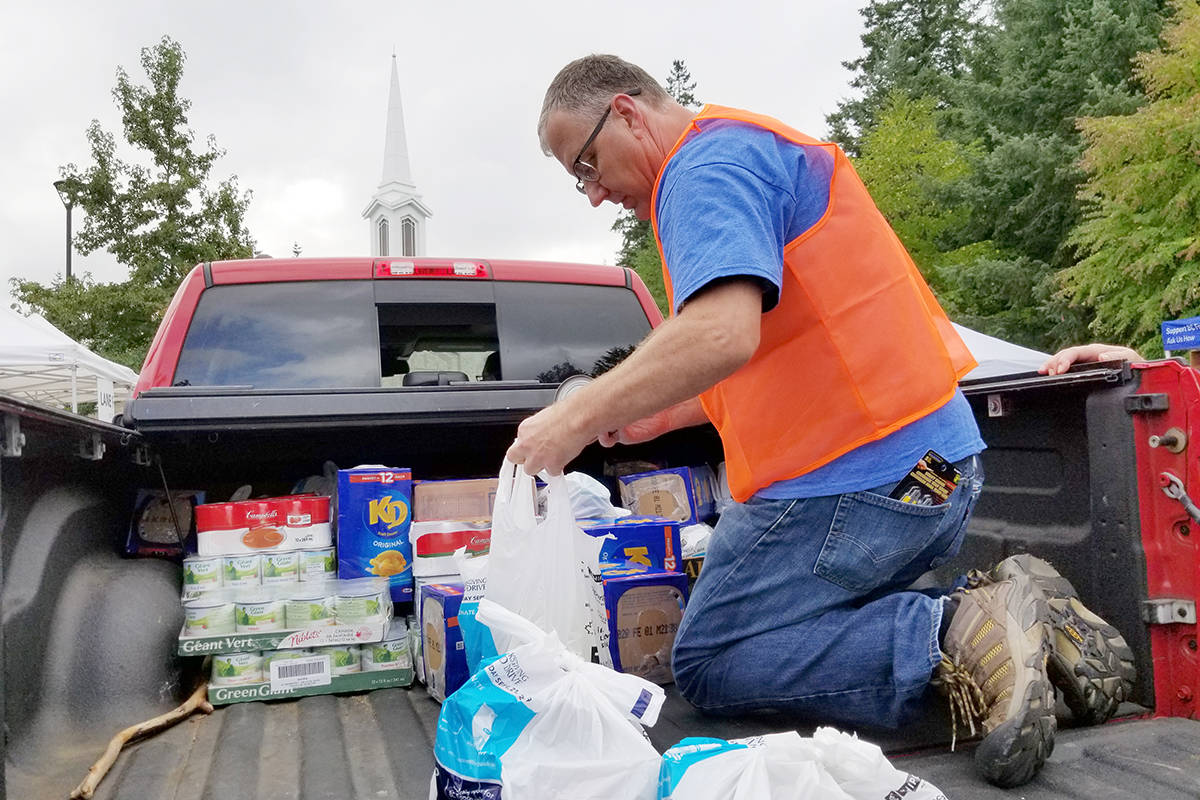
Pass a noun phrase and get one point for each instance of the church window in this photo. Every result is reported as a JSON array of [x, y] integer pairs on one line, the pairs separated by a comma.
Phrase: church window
[[408, 235], [383, 237]]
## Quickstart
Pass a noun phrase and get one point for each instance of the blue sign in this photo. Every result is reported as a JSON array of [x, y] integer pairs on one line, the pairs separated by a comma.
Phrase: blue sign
[[1181, 334]]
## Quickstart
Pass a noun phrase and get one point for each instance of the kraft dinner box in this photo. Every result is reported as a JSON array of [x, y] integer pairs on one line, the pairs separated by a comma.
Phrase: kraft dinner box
[[648, 541], [374, 516], [441, 639], [684, 494], [643, 608]]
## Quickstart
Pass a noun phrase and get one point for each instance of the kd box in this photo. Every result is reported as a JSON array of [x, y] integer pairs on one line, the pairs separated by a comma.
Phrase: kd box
[[648, 541], [441, 639], [643, 608], [374, 515]]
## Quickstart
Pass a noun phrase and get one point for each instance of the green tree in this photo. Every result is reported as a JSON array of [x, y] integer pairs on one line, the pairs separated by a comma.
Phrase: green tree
[[1047, 63], [639, 251], [915, 47], [913, 174], [1140, 234], [157, 213]]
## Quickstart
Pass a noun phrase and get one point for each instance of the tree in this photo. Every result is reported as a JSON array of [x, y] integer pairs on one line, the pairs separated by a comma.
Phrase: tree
[[639, 251], [1047, 62], [915, 47], [158, 220], [1140, 234]]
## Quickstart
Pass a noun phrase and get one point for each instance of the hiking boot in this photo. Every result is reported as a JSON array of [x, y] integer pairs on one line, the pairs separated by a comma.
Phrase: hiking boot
[[1089, 660], [993, 670]]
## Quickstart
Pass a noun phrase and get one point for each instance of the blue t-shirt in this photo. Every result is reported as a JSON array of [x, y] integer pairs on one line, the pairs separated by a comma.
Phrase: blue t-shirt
[[729, 200]]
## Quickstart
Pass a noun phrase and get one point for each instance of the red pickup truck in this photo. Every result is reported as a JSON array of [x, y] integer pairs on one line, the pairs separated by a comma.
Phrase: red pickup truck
[[263, 370]]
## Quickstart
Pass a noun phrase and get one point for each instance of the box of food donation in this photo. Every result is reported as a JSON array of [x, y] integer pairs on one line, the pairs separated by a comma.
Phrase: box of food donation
[[285, 616], [266, 675], [159, 528], [465, 499], [434, 543], [374, 516], [273, 524], [683, 494], [643, 609], [441, 639], [646, 541], [420, 582]]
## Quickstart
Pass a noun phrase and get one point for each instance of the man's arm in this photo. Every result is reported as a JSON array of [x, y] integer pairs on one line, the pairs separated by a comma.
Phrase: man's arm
[[715, 333]]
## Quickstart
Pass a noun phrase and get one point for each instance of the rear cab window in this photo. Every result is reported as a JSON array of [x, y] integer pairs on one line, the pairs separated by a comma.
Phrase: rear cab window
[[391, 334]]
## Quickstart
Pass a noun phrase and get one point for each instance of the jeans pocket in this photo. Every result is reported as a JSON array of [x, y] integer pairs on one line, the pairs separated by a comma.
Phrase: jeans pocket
[[873, 540]]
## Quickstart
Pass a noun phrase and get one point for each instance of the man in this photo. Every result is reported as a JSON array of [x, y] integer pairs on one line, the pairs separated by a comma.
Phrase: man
[[801, 329]]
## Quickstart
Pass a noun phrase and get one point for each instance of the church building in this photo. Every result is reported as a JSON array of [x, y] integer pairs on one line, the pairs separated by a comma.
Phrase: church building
[[396, 214]]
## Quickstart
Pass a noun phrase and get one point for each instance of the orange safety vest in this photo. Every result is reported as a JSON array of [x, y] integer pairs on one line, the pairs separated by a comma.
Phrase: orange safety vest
[[856, 348]]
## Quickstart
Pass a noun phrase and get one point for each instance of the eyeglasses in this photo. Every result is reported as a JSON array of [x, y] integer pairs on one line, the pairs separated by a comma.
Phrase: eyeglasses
[[582, 169]]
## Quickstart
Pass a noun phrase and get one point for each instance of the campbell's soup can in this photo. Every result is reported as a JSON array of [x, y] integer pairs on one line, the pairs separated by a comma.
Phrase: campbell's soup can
[[202, 572], [208, 617], [259, 614], [309, 610], [344, 659], [296, 522], [318, 564], [282, 567], [242, 570], [235, 669]]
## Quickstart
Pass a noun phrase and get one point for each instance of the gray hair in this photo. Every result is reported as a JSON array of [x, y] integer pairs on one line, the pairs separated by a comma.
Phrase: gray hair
[[588, 84]]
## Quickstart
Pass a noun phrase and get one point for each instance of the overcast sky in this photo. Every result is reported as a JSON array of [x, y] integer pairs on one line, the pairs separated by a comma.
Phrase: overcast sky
[[296, 93]]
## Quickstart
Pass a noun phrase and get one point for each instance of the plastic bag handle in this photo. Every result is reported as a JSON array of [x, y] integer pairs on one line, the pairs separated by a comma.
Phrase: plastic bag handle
[[514, 495]]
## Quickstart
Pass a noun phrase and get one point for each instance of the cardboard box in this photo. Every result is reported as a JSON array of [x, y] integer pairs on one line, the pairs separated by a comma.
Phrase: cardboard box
[[470, 499], [380, 679], [441, 639], [374, 516], [273, 524], [683, 494], [643, 609], [152, 530], [434, 542], [645, 541]]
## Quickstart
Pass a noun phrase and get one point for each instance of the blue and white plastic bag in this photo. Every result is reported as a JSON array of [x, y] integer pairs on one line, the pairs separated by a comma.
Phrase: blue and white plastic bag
[[786, 766], [540, 723]]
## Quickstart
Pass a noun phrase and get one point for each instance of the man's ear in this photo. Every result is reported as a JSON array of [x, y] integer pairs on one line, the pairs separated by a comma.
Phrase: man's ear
[[629, 112]]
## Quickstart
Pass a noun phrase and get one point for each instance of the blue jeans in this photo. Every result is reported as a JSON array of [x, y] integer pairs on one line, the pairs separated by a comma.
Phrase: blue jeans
[[801, 605]]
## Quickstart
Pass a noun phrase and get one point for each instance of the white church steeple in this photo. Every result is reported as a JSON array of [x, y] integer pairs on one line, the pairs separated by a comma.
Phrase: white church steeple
[[396, 214]]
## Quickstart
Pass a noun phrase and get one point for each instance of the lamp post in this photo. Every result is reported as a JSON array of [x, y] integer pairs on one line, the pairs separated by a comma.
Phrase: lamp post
[[68, 192]]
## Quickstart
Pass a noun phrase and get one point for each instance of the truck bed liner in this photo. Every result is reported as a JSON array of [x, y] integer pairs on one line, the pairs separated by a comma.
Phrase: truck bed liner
[[380, 745]]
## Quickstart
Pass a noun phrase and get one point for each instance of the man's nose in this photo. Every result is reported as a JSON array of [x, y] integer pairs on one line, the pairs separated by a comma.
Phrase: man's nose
[[595, 193]]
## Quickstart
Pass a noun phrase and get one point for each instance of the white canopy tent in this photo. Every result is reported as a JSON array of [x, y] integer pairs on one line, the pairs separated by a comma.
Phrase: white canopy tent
[[997, 357], [41, 363]]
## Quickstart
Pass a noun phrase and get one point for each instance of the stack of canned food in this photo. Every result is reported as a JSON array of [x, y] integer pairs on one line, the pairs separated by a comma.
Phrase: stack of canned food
[[286, 607], [203, 573], [393, 653]]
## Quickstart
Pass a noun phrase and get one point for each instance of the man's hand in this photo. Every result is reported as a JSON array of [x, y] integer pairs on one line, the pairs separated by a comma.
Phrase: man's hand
[[548, 440], [1061, 361], [643, 430]]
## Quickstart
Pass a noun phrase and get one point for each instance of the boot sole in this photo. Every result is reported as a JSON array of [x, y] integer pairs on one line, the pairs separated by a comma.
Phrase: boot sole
[[1090, 661], [1013, 752]]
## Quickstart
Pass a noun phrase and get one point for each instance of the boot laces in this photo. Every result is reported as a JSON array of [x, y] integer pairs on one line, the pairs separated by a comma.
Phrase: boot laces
[[967, 703]]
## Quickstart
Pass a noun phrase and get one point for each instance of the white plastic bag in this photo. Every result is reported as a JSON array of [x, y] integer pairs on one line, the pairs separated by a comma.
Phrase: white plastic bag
[[540, 723], [786, 766], [778, 766], [590, 499], [863, 771], [542, 569]]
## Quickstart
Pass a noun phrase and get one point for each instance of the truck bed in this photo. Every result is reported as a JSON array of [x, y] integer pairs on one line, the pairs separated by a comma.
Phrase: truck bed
[[380, 745], [88, 636]]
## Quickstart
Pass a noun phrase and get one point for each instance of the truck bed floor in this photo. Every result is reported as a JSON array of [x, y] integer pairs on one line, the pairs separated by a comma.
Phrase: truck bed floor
[[380, 745]]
